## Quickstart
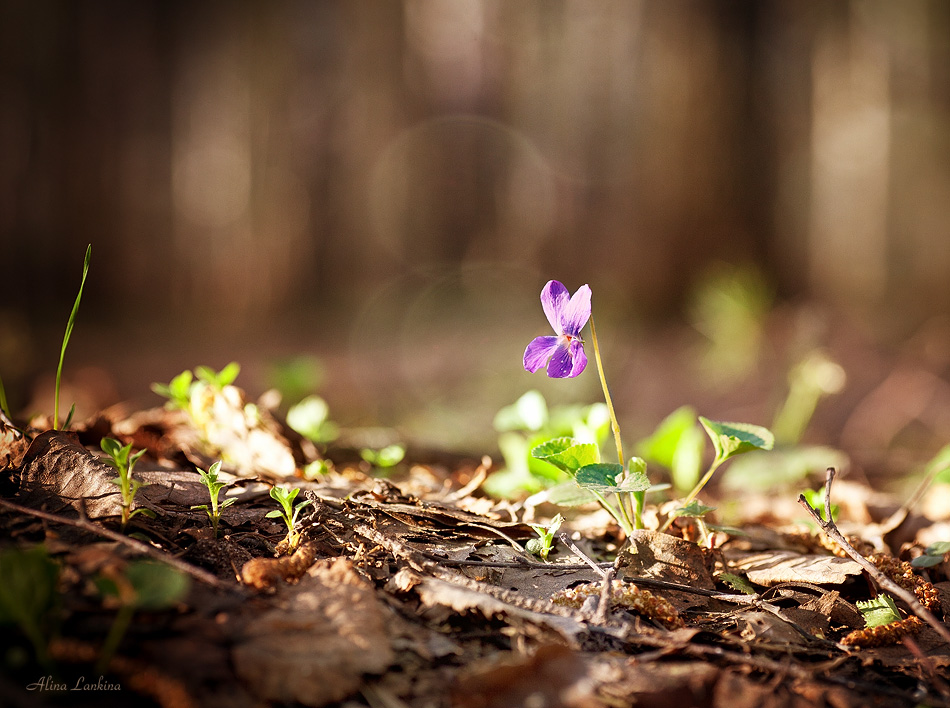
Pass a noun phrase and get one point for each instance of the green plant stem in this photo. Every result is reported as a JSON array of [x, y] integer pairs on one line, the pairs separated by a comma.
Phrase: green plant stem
[[637, 522], [3, 400], [116, 632], [621, 517], [614, 425], [696, 490], [67, 335]]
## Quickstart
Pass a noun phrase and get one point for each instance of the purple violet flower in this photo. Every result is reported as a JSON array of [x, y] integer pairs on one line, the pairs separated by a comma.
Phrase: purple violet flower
[[562, 354]]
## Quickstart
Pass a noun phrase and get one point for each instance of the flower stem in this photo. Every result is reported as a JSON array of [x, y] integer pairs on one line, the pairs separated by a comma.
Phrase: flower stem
[[603, 382], [636, 523]]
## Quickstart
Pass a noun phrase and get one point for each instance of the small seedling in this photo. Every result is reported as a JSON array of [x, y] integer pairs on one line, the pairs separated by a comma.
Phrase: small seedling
[[218, 379], [145, 585], [541, 546], [384, 458], [177, 391], [310, 418], [62, 351], [181, 390], [121, 458], [285, 497], [729, 440], [210, 479], [933, 555], [28, 596], [816, 500], [813, 378], [697, 511]]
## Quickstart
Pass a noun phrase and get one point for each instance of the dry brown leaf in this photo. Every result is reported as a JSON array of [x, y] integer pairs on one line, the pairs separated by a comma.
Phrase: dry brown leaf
[[58, 472], [434, 592], [773, 567], [553, 676], [316, 645]]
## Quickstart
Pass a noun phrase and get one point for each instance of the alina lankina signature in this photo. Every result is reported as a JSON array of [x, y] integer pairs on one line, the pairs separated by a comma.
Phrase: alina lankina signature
[[47, 683]]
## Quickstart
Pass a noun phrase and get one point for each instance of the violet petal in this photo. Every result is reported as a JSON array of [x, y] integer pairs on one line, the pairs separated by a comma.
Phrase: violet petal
[[579, 356], [554, 299], [576, 312], [538, 352], [561, 362]]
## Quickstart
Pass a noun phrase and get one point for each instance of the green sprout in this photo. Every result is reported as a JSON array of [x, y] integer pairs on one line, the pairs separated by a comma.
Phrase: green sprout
[[210, 479], [218, 379], [285, 497], [310, 418], [28, 596], [181, 391], [384, 458], [4, 406], [695, 510], [121, 458], [541, 546], [177, 391], [816, 500], [729, 440], [62, 351], [933, 555], [815, 377], [145, 585]]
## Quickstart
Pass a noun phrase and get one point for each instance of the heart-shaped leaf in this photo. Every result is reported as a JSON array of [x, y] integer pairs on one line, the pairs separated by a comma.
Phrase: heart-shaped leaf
[[731, 439], [566, 454]]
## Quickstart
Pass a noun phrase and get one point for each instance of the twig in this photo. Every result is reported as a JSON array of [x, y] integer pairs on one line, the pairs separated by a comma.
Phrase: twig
[[603, 604], [86, 525], [565, 539], [832, 532]]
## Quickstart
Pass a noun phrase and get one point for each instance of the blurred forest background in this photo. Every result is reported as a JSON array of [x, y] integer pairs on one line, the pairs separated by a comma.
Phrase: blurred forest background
[[388, 185]]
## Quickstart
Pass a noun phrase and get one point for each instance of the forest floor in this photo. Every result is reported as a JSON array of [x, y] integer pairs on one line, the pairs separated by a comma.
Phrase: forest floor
[[414, 588]]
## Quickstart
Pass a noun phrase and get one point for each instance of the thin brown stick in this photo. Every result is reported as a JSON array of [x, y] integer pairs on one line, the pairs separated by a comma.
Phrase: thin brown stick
[[566, 540], [603, 605], [86, 525], [832, 532]]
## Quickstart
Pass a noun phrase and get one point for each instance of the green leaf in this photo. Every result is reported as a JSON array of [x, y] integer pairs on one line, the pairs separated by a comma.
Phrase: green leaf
[[737, 582], [530, 412], [926, 561], [135, 457], [661, 446], [276, 513], [731, 439], [309, 417], [879, 611], [389, 456], [938, 548], [157, 585], [694, 509], [228, 375], [941, 462], [28, 588], [69, 331], [565, 454], [568, 494], [112, 447]]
